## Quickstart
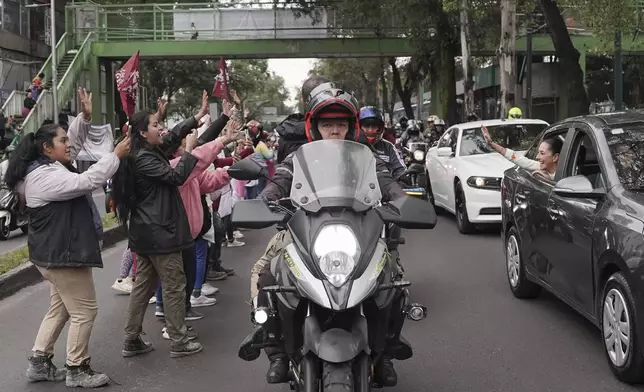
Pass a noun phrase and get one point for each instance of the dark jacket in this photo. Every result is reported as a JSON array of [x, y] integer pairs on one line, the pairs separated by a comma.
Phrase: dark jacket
[[64, 234], [280, 186], [213, 131], [388, 153], [158, 221], [292, 135]]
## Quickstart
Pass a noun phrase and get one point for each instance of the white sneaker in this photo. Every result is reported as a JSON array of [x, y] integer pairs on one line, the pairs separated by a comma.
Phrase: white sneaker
[[164, 333], [208, 289], [201, 301], [153, 300], [123, 286], [235, 244], [238, 235]]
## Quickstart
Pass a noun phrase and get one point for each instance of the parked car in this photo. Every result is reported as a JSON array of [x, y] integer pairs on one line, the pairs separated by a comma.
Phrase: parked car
[[581, 235], [465, 173]]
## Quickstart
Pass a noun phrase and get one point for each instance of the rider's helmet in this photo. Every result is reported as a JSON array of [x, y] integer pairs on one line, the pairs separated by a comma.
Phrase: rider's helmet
[[330, 102], [412, 127], [371, 116], [439, 125], [431, 120], [515, 113]]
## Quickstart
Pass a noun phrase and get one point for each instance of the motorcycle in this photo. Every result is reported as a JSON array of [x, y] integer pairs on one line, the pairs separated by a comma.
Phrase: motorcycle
[[10, 216], [336, 277], [415, 174]]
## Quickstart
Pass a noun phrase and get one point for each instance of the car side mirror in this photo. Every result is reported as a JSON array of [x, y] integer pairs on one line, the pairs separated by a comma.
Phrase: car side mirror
[[577, 186], [245, 170], [444, 151]]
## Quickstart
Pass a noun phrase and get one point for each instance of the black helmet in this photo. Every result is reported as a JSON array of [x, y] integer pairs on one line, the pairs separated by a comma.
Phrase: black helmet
[[331, 103]]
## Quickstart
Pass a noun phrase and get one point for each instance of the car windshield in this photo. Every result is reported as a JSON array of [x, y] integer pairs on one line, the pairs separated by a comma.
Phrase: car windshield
[[626, 147], [334, 173], [518, 137]]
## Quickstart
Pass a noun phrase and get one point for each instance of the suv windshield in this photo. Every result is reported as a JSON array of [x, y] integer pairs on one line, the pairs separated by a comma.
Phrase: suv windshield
[[513, 135], [626, 147]]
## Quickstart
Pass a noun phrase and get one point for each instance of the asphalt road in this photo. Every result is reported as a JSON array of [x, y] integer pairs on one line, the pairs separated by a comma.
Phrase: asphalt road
[[477, 337], [18, 239]]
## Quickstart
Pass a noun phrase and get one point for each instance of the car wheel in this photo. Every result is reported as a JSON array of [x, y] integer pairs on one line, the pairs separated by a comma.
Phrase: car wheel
[[430, 194], [619, 330], [462, 220], [519, 284]]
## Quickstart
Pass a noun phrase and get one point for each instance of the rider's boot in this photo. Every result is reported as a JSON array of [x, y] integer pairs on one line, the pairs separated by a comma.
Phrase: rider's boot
[[278, 366], [384, 372]]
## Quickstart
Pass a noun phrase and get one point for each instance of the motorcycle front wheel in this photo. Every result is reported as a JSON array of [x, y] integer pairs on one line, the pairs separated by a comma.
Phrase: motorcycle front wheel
[[5, 230], [337, 377]]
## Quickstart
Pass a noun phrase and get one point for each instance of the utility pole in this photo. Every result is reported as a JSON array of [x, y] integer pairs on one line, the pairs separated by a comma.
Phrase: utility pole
[[618, 68], [529, 72], [421, 98]]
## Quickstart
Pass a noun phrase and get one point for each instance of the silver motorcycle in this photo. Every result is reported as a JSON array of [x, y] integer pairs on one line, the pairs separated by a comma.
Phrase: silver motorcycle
[[336, 278]]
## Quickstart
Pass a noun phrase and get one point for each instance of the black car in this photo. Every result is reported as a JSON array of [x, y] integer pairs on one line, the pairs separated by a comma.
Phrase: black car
[[581, 236]]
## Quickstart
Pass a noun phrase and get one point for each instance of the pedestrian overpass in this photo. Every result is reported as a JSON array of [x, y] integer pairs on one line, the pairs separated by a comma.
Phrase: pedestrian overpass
[[96, 35]]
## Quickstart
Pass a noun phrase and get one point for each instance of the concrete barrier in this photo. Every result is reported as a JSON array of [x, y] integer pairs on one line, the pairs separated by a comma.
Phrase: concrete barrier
[[27, 274]]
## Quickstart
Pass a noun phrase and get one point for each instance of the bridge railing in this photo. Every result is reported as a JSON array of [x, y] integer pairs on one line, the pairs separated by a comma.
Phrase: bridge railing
[[259, 19]]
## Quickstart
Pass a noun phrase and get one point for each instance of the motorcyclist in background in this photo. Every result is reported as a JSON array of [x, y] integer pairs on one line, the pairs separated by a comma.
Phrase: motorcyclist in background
[[515, 114], [331, 114], [435, 132], [372, 125], [411, 134], [404, 123]]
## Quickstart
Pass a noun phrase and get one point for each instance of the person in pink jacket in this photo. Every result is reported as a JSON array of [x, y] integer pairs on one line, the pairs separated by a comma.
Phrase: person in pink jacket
[[202, 182]]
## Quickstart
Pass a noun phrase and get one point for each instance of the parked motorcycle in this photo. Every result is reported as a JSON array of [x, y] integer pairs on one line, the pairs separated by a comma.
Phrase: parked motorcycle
[[10, 217], [336, 277], [416, 177]]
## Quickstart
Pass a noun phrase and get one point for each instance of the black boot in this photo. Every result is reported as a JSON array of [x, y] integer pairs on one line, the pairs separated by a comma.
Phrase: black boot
[[277, 369], [385, 374]]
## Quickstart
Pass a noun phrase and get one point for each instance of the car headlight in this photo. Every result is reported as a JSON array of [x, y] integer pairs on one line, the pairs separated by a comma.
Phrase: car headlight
[[337, 249], [419, 155], [484, 182]]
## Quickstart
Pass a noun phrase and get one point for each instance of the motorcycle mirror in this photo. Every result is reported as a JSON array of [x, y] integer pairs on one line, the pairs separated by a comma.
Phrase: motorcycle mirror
[[409, 213], [245, 170]]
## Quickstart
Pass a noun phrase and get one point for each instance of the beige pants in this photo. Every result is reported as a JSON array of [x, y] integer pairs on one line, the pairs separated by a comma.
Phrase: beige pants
[[275, 246], [72, 295]]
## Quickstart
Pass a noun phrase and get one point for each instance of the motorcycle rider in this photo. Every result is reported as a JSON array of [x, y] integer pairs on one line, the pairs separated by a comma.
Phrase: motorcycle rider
[[515, 113], [411, 134], [332, 114], [435, 132], [373, 126], [291, 130]]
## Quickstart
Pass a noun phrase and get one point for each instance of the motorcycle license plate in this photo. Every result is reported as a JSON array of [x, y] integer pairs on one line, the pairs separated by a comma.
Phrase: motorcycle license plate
[[415, 191]]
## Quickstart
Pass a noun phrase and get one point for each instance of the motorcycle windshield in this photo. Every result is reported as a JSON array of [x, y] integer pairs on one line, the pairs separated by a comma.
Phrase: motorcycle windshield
[[415, 146], [334, 173]]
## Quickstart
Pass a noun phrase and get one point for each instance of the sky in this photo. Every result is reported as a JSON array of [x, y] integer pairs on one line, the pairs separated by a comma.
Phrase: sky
[[294, 72]]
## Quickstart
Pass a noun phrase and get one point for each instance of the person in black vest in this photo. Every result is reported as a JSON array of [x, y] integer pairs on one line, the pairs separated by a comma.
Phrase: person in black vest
[[63, 239]]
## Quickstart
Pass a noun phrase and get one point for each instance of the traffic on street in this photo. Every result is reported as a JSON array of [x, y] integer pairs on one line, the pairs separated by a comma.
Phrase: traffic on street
[[477, 336]]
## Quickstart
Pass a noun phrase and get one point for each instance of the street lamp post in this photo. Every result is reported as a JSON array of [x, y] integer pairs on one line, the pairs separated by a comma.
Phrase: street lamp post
[[54, 64]]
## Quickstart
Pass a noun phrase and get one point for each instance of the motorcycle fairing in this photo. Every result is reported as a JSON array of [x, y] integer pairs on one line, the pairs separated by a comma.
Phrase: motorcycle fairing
[[336, 345]]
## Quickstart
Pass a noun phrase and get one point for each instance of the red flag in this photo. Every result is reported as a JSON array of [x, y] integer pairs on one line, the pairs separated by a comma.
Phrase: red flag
[[220, 89], [127, 83]]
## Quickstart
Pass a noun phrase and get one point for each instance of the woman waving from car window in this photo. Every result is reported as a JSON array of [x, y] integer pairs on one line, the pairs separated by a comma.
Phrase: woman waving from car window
[[547, 157]]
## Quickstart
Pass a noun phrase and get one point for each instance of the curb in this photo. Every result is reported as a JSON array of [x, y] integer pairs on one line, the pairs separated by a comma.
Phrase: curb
[[27, 274]]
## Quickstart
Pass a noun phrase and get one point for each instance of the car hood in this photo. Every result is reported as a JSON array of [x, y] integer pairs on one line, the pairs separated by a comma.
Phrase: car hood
[[486, 165]]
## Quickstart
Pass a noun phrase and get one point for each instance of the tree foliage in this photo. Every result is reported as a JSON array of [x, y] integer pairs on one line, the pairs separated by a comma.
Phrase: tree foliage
[[182, 81], [359, 75]]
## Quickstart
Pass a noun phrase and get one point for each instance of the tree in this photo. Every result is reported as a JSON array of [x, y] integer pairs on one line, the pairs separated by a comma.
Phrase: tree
[[360, 76], [466, 37]]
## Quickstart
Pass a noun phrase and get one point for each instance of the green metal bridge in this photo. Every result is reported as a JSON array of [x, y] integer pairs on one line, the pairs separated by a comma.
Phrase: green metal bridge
[[99, 34]]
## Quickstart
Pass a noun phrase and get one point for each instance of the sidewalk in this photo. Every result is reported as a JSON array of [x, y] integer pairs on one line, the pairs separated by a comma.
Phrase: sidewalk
[[216, 369]]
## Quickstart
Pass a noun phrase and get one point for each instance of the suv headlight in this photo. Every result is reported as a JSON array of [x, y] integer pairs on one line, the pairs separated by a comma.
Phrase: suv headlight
[[419, 155], [337, 249]]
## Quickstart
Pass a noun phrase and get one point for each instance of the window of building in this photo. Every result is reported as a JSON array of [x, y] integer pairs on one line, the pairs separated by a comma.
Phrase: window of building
[[11, 20]]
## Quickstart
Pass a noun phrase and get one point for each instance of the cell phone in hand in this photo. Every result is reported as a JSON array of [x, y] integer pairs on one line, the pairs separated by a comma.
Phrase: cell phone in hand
[[242, 135]]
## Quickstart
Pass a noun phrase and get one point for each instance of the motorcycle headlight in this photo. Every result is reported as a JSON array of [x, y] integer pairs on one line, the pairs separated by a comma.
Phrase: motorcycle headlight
[[419, 155], [337, 249]]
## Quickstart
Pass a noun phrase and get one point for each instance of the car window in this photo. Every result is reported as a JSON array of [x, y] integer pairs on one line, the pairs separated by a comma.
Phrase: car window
[[513, 135], [532, 151], [448, 139], [583, 159], [626, 145]]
